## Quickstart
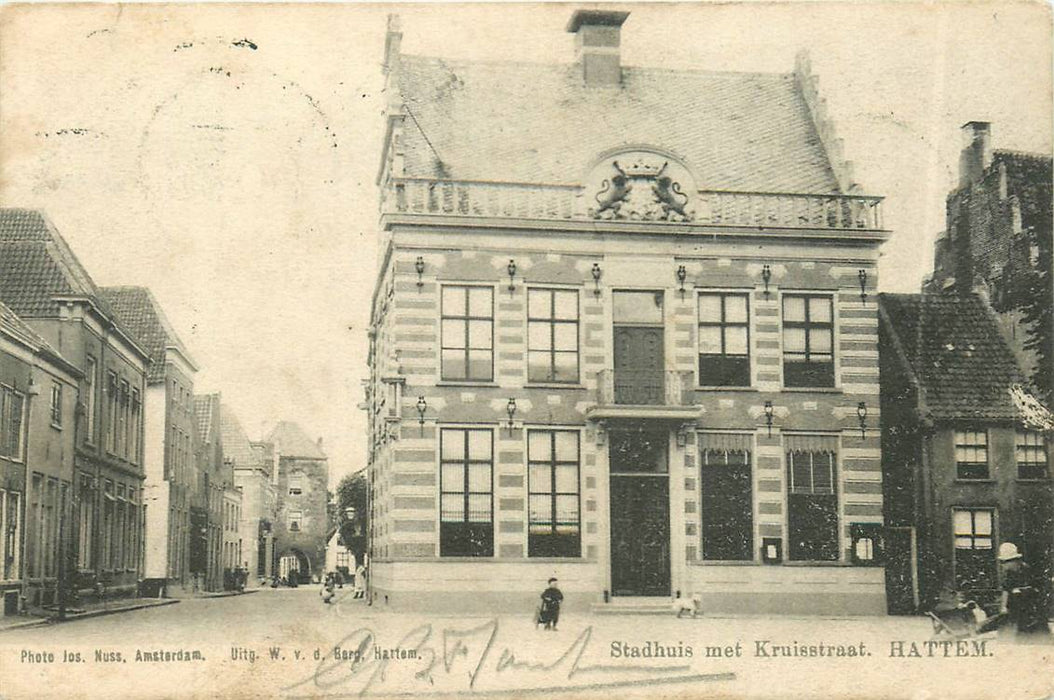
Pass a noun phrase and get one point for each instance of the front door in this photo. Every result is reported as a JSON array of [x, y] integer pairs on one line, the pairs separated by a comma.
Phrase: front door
[[640, 513]]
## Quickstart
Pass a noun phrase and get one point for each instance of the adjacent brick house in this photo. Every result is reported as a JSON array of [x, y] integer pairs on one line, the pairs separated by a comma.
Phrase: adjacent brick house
[[38, 398], [623, 332], [964, 466], [301, 483], [213, 517], [42, 281], [998, 239], [172, 482]]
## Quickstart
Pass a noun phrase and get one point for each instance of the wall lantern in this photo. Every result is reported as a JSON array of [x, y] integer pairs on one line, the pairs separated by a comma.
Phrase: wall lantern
[[510, 408], [766, 277], [861, 413], [768, 416], [862, 276], [422, 406], [596, 278], [682, 275], [511, 267], [419, 265]]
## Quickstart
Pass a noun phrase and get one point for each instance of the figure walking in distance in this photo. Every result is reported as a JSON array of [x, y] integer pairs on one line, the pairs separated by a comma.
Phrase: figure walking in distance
[[549, 613]]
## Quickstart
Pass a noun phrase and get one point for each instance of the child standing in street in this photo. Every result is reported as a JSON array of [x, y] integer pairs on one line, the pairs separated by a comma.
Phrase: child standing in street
[[549, 614]]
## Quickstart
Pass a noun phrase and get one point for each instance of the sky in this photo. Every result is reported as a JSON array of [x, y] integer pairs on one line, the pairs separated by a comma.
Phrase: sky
[[225, 155]]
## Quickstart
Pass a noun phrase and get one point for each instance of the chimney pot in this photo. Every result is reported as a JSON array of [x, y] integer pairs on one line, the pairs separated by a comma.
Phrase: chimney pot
[[976, 154], [597, 39]]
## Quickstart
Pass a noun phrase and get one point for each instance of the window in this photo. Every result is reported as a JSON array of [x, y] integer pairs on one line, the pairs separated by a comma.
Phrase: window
[[812, 506], [111, 412], [107, 525], [35, 535], [467, 344], [726, 502], [296, 484], [971, 454], [552, 335], [975, 566], [56, 404], [49, 529], [295, 518], [133, 426], [466, 486], [1031, 452], [808, 341], [89, 399], [552, 492], [87, 522], [10, 538], [724, 340], [12, 406], [122, 430]]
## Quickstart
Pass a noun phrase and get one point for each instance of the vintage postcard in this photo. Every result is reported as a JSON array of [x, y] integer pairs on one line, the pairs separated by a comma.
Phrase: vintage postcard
[[688, 350]]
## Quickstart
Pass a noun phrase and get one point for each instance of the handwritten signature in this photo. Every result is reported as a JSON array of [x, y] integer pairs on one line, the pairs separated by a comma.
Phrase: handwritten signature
[[468, 659]]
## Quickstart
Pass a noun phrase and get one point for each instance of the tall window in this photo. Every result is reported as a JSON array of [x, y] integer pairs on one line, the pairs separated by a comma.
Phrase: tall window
[[724, 340], [554, 528], [296, 483], [975, 566], [466, 485], [86, 527], [552, 335], [726, 503], [971, 454], [89, 399], [56, 404], [12, 405], [468, 333], [111, 412], [1031, 452], [49, 529], [35, 514], [107, 525], [10, 538], [812, 506], [808, 341], [122, 430]]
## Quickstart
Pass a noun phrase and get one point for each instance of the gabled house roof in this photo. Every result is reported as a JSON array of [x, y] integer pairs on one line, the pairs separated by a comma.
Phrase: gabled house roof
[[138, 311], [493, 121], [952, 349], [205, 408], [290, 440], [38, 268], [236, 445], [17, 330]]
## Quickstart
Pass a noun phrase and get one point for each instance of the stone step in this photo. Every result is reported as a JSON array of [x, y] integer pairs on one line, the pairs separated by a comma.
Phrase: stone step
[[634, 606]]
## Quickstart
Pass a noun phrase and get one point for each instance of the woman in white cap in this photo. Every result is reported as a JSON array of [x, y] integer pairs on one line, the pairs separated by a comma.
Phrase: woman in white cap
[[1022, 599]]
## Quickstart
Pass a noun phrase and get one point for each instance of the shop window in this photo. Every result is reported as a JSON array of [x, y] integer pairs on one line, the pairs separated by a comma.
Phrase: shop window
[[726, 503], [812, 506]]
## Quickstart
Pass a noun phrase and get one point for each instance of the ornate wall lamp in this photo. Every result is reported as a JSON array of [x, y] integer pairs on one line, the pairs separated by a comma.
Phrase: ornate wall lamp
[[861, 413], [768, 416], [419, 265], [597, 272], [510, 408], [422, 406], [511, 267], [682, 275], [862, 276], [766, 277]]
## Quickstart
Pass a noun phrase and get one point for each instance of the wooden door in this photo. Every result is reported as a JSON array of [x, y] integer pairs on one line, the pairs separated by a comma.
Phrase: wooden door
[[639, 360], [640, 535]]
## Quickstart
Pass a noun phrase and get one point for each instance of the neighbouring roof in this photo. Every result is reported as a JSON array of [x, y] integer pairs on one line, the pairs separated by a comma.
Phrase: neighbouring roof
[[290, 440], [236, 445], [493, 121], [36, 265], [954, 350], [205, 408], [14, 327], [138, 311]]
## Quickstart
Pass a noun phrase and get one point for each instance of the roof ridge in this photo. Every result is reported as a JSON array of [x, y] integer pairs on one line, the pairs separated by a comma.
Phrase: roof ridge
[[499, 62]]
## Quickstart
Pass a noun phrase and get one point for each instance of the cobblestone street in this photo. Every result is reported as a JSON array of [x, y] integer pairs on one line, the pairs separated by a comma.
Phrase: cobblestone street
[[291, 638]]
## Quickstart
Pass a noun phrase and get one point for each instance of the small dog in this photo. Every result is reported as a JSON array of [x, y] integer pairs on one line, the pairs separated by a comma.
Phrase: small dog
[[691, 606]]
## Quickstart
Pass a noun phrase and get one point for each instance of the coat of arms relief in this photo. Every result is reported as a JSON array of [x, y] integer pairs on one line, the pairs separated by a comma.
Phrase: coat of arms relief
[[641, 189]]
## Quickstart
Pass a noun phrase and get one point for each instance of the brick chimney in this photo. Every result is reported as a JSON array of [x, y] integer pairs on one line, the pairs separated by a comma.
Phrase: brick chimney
[[977, 151], [597, 39]]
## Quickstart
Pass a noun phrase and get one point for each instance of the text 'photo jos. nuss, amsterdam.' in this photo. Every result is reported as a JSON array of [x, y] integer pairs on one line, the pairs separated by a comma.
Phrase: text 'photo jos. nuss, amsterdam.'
[[659, 350]]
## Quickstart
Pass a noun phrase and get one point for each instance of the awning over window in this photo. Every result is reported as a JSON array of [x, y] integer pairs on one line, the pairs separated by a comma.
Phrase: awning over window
[[726, 442], [810, 443]]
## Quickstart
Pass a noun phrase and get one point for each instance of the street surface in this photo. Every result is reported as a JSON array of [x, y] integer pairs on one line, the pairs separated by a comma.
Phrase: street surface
[[282, 642]]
